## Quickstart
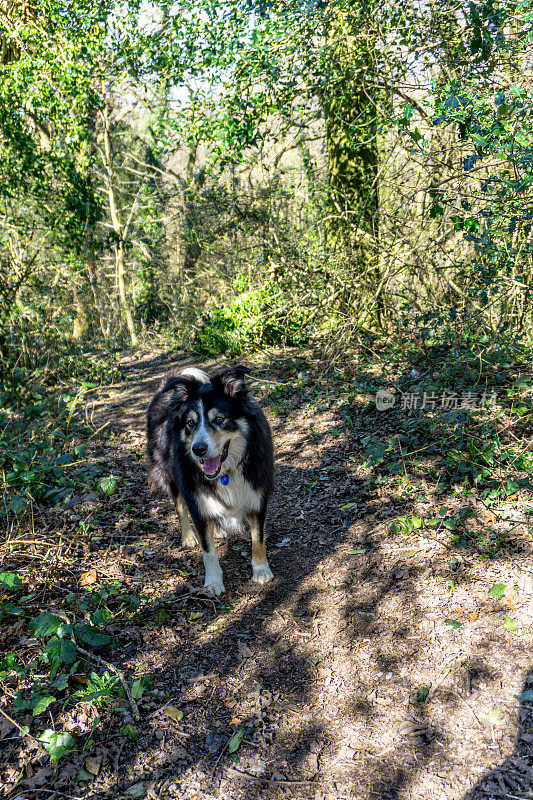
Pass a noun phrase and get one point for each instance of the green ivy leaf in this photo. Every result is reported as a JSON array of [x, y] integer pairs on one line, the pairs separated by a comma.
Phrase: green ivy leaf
[[10, 580], [137, 790], [137, 690], [83, 775], [61, 651], [421, 694], [18, 504], [57, 744], [497, 591], [109, 484], [129, 731], [453, 623], [525, 697], [42, 704]]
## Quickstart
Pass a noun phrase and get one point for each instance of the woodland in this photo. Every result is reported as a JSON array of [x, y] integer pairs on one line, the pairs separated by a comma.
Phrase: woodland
[[338, 194]]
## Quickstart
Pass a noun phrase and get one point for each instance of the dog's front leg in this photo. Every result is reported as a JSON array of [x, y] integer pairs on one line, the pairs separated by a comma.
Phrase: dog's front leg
[[214, 580], [188, 536], [262, 572]]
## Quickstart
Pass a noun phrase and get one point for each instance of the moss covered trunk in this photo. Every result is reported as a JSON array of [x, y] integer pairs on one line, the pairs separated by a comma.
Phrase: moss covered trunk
[[351, 115]]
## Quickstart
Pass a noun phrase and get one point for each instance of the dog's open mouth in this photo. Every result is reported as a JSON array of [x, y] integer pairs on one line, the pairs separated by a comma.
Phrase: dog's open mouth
[[212, 466]]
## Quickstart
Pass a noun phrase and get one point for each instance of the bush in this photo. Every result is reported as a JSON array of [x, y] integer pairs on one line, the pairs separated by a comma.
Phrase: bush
[[263, 316]]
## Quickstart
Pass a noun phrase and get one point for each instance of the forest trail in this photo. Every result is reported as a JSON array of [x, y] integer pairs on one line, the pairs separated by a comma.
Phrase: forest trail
[[356, 674]]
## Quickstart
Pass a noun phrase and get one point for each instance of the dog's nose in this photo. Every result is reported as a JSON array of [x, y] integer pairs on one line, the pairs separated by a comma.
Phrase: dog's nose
[[199, 449]]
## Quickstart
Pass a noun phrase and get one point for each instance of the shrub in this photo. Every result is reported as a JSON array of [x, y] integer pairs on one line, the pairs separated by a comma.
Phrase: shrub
[[263, 316]]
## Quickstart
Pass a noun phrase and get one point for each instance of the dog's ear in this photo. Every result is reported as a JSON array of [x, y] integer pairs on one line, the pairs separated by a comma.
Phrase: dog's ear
[[181, 388], [233, 380]]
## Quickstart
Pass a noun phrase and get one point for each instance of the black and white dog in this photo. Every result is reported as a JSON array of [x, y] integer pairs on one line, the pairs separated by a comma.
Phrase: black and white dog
[[210, 449]]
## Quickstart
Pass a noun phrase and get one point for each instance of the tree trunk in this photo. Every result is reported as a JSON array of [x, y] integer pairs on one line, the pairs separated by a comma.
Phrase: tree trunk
[[82, 320], [193, 183], [350, 109], [119, 228], [121, 271]]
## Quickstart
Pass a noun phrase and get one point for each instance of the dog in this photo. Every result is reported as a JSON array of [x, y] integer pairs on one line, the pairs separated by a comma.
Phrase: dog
[[210, 449]]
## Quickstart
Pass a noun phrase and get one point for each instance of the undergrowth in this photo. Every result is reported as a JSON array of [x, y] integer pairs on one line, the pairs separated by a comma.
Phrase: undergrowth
[[258, 317], [63, 665], [44, 432]]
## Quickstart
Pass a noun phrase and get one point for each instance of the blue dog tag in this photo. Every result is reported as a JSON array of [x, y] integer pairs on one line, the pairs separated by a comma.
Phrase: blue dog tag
[[224, 480]]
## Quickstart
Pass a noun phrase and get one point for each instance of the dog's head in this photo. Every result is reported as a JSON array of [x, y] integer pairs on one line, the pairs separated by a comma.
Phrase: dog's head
[[210, 418]]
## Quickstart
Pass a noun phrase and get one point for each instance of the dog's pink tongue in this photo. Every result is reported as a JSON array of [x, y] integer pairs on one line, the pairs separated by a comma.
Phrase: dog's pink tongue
[[211, 465]]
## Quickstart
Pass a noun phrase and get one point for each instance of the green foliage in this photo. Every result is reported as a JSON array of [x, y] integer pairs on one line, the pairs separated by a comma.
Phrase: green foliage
[[57, 745], [53, 678], [109, 484], [128, 730], [42, 455], [497, 591], [494, 123], [10, 580], [101, 690], [264, 316]]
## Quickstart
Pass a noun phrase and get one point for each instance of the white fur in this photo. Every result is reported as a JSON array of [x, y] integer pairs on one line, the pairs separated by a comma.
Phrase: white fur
[[231, 503], [262, 573], [238, 494], [196, 374], [202, 434], [214, 579]]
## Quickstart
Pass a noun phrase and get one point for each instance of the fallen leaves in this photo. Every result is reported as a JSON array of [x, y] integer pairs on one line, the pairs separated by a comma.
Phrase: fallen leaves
[[173, 712], [137, 790], [512, 598], [88, 578], [93, 764]]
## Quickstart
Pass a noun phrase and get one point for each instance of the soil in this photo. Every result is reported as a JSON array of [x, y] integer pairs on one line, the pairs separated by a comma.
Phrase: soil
[[373, 666]]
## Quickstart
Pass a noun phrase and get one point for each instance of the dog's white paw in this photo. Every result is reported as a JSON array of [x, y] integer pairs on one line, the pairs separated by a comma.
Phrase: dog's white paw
[[215, 587], [262, 574], [188, 539]]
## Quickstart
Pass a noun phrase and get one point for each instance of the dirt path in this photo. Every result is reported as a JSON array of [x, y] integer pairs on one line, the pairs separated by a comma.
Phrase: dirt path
[[358, 673]]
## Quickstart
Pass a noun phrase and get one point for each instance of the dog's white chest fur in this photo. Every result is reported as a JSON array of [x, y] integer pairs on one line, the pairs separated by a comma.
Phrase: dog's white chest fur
[[232, 502]]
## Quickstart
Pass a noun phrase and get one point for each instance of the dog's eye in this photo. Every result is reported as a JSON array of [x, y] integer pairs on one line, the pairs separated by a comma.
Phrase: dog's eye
[[219, 419], [190, 424]]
